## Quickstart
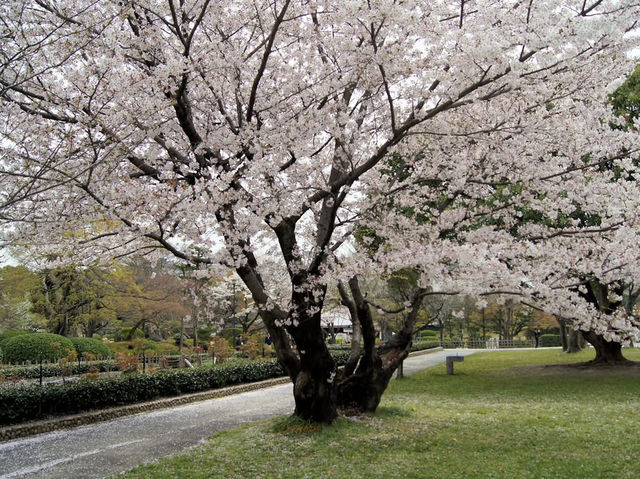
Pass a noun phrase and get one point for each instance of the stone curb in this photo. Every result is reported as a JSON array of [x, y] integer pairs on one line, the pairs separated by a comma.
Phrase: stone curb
[[426, 351], [90, 417], [81, 419]]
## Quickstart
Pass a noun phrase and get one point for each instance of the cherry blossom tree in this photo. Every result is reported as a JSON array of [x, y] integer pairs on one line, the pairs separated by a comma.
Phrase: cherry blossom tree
[[566, 242], [253, 134]]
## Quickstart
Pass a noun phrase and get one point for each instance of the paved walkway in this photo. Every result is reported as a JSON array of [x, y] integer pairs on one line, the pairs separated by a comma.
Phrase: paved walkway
[[107, 448]]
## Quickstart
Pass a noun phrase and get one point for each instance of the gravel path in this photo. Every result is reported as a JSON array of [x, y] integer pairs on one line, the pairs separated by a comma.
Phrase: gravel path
[[107, 448]]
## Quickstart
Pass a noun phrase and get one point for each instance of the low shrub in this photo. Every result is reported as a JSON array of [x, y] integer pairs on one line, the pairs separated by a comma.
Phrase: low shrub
[[6, 336], [422, 345], [21, 403], [222, 349], [550, 340], [31, 402], [35, 347], [428, 334], [340, 357], [10, 334], [338, 347], [254, 346], [127, 363], [94, 347], [54, 369], [146, 344]]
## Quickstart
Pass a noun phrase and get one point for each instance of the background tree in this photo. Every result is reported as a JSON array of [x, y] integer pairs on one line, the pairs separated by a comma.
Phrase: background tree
[[626, 100], [149, 297], [233, 307], [71, 300], [510, 319], [16, 283]]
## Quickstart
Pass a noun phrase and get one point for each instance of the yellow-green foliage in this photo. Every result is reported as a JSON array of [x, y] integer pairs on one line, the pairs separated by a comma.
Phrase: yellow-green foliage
[[147, 345], [222, 349], [36, 346], [95, 347], [253, 347]]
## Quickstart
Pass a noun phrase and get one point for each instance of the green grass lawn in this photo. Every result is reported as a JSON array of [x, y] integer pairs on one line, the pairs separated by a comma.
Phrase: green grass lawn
[[500, 416]]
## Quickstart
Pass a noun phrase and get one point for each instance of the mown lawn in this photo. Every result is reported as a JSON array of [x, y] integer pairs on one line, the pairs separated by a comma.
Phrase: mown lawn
[[500, 416]]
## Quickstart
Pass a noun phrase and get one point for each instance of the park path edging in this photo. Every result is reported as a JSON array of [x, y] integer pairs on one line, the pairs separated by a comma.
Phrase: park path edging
[[90, 417], [81, 419]]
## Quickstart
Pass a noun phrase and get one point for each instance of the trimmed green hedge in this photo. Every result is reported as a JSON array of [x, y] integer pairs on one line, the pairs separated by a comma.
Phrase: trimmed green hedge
[[549, 340], [428, 334], [21, 403], [32, 402], [54, 369], [91, 346], [10, 334], [36, 346], [422, 345]]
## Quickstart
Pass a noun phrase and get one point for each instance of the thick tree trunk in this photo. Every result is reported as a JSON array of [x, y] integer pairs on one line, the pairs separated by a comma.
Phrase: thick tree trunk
[[314, 387], [607, 352], [312, 370], [356, 337], [576, 342], [564, 340], [361, 390]]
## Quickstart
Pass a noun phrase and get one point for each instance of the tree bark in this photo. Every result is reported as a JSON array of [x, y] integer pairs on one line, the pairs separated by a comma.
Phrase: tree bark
[[576, 342], [607, 352], [361, 390], [314, 387], [564, 340], [356, 337]]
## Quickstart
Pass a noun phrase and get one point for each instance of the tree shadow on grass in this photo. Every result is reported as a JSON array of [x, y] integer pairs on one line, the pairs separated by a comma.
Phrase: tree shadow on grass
[[624, 369]]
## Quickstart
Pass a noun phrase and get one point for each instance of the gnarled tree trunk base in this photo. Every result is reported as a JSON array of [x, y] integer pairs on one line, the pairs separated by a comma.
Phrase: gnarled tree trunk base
[[314, 388], [607, 352], [362, 393], [315, 398]]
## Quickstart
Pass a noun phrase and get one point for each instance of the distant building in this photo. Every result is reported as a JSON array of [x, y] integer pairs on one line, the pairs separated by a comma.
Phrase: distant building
[[337, 319]]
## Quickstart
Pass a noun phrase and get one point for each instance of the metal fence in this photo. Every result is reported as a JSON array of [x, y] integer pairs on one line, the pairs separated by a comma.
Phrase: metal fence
[[489, 343], [148, 359]]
